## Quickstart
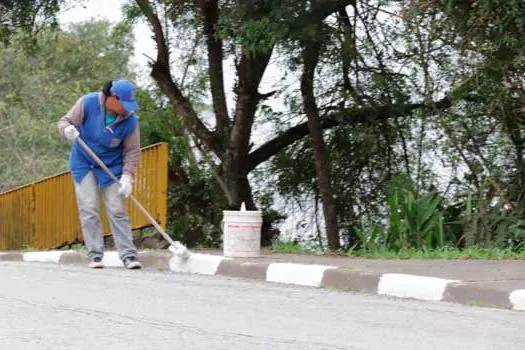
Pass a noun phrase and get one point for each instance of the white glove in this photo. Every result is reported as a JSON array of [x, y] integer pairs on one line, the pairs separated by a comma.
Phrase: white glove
[[71, 132], [125, 185]]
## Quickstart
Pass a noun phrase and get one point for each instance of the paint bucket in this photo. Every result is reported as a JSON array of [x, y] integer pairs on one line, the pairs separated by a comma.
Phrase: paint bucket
[[242, 233]]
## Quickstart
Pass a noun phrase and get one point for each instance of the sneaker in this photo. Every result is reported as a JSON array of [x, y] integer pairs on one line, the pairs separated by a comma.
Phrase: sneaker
[[96, 263], [132, 263]]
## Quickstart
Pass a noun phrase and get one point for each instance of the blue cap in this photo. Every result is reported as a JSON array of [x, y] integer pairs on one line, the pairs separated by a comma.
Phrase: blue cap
[[125, 90]]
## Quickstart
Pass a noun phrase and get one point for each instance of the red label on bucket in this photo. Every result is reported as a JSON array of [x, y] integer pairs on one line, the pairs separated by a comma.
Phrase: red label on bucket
[[244, 226]]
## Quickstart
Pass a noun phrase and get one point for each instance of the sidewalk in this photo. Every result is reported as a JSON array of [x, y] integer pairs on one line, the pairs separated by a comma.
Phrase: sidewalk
[[489, 283]]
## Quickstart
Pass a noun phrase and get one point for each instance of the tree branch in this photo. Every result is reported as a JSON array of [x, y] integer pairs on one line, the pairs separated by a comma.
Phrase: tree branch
[[213, 168], [162, 75], [190, 59], [210, 13], [320, 10], [163, 56], [349, 53], [267, 95], [349, 116]]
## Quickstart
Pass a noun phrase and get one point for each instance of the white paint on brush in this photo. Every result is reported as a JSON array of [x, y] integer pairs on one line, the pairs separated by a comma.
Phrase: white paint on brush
[[304, 275], [412, 286]]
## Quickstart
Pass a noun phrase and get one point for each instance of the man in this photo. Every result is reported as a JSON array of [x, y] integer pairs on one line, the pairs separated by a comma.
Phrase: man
[[107, 123]]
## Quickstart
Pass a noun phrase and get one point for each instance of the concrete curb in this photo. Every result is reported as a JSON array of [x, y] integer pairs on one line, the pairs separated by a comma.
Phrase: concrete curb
[[319, 276]]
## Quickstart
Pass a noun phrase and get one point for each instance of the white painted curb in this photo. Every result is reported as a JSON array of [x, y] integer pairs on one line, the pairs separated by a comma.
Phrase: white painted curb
[[111, 259], [304, 275], [204, 264], [517, 299], [390, 284], [412, 286], [51, 256]]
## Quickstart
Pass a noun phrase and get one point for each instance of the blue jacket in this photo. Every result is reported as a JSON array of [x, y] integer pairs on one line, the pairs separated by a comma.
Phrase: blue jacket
[[105, 141]]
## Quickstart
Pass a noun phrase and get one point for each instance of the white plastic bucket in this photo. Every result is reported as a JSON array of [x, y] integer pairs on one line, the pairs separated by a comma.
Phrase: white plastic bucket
[[242, 233]]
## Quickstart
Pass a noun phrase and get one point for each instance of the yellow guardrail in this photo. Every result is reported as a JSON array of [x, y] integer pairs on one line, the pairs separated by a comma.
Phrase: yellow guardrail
[[44, 214]]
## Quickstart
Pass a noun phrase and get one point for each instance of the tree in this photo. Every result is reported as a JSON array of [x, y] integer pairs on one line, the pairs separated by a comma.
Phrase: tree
[[311, 52], [30, 16], [249, 33], [487, 36], [38, 87]]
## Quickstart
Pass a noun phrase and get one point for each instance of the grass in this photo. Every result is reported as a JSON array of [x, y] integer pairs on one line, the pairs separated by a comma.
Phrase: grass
[[78, 247], [289, 247], [28, 250], [473, 252], [444, 253]]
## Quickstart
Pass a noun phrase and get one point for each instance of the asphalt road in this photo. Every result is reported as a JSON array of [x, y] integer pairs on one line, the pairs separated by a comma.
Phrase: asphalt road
[[63, 307]]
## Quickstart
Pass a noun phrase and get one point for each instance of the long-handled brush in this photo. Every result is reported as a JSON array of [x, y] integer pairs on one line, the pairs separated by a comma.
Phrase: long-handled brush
[[175, 247]]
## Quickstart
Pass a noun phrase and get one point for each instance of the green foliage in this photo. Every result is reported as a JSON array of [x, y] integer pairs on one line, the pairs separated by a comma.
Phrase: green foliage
[[256, 28], [194, 209], [27, 15], [472, 252], [39, 87], [472, 48], [256, 35], [422, 224], [293, 247], [194, 200], [372, 240], [487, 223], [415, 222], [418, 224], [497, 23], [369, 58]]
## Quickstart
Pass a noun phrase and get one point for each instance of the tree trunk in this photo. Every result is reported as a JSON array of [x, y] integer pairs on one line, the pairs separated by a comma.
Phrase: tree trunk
[[210, 14], [235, 166], [240, 191], [322, 164]]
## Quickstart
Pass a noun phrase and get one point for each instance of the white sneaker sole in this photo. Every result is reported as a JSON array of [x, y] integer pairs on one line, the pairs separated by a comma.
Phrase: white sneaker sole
[[134, 265], [96, 265]]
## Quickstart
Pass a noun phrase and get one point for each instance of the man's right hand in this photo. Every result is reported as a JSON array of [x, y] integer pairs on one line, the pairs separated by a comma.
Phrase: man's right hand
[[71, 132]]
